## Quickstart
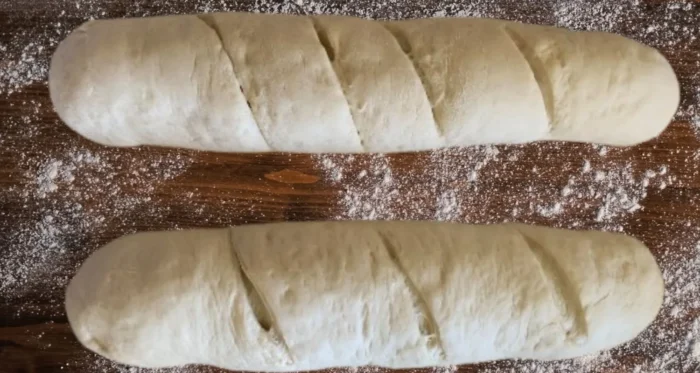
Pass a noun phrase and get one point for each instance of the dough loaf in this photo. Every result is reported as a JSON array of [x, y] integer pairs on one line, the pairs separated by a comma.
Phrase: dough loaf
[[239, 82], [306, 296]]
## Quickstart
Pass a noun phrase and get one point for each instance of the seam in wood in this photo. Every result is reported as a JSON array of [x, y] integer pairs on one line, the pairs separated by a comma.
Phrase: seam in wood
[[330, 54], [430, 327], [266, 320], [564, 296], [405, 47], [538, 72], [204, 19]]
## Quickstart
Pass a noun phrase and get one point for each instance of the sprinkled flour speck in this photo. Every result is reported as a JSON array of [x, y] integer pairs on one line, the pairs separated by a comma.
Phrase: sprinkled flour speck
[[550, 210], [448, 206], [29, 66]]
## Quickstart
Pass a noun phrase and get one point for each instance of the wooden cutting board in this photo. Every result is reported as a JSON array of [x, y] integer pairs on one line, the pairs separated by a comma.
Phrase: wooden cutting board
[[61, 197]]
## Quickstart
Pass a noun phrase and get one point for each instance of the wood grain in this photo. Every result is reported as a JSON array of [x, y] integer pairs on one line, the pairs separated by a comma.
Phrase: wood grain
[[214, 189]]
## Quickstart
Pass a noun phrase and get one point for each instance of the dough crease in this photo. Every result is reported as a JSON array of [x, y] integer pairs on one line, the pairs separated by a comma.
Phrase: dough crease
[[563, 294], [330, 53], [405, 47], [257, 303], [212, 25], [427, 323], [538, 72]]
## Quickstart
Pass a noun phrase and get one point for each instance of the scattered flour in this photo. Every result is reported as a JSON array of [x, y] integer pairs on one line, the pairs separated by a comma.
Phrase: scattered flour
[[550, 210], [373, 190], [449, 206], [73, 195], [30, 66]]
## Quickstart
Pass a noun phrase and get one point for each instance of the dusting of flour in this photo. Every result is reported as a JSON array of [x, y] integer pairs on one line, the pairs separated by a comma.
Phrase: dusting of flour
[[372, 189], [75, 193]]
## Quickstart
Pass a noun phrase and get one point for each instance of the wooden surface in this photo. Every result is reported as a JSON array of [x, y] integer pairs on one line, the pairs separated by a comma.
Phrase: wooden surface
[[103, 193]]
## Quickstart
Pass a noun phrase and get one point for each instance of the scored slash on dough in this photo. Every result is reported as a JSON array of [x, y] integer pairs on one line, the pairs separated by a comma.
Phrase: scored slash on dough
[[212, 25], [330, 53], [258, 305], [430, 327], [564, 296], [405, 47], [543, 83]]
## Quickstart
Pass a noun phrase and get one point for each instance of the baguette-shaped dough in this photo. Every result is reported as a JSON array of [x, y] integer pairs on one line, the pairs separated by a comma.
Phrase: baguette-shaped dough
[[243, 82], [306, 296]]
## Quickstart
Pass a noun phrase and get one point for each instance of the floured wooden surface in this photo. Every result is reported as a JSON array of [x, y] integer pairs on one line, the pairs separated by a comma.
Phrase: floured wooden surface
[[62, 197]]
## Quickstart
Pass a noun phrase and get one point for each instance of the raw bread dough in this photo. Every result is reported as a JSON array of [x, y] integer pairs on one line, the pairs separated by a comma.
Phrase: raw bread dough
[[242, 82], [306, 296]]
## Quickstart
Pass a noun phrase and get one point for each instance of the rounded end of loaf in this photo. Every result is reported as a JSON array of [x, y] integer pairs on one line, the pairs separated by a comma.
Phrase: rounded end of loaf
[[628, 301], [83, 306], [665, 89], [70, 85], [62, 74], [652, 99], [78, 80], [637, 98], [616, 288], [599, 87], [134, 300], [100, 299]]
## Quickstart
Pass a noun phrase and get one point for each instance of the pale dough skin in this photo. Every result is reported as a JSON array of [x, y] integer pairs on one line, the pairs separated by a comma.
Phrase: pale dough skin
[[239, 82], [392, 294]]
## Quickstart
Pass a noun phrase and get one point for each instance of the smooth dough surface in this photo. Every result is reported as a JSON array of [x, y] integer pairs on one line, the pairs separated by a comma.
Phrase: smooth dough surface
[[240, 82], [306, 296]]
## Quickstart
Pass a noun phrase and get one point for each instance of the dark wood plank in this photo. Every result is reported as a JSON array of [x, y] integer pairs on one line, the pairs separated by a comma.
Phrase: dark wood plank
[[102, 193]]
